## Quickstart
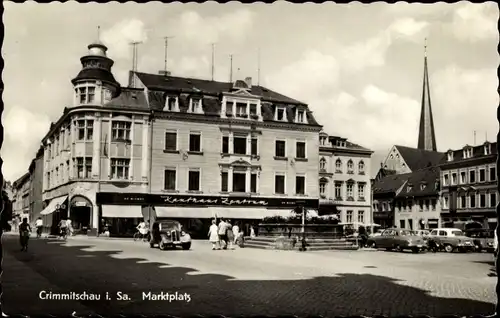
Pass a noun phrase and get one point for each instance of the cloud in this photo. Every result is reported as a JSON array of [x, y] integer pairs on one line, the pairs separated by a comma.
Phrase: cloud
[[475, 22], [23, 132], [371, 52], [193, 27], [120, 35]]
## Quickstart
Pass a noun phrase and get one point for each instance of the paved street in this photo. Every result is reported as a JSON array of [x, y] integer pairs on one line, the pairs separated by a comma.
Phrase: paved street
[[243, 281]]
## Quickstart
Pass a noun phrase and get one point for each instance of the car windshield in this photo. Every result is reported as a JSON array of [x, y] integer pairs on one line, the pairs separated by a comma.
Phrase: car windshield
[[168, 225], [406, 233], [457, 233]]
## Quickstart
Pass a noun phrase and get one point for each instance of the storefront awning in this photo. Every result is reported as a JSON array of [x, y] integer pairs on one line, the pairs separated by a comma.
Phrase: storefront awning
[[51, 207], [183, 212], [250, 213], [121, 211]]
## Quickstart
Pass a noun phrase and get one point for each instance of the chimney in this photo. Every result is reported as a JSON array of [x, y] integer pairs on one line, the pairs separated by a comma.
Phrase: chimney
[[164, 73], [248, 81]]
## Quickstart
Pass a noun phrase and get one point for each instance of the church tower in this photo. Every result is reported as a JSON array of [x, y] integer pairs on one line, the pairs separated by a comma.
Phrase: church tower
[[426, 135], [95, 85]]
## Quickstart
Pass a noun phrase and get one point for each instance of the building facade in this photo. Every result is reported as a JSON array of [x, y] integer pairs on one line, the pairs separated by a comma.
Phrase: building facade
[[36, 186], [385, 190], [344, 179], [177, 148], [469, 180], [21, 199], [416, 205]]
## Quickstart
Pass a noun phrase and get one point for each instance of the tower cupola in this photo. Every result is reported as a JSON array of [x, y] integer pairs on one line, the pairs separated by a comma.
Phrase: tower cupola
[[95, 84]]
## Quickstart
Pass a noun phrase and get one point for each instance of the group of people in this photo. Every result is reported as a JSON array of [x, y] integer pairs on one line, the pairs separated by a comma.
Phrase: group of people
[[65, 228], [224, 235]]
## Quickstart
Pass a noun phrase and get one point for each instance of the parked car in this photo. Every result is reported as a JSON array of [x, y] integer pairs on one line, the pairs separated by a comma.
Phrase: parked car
[[423, 233], [397, 239], [169, 234], [483, 239], [451, 239]]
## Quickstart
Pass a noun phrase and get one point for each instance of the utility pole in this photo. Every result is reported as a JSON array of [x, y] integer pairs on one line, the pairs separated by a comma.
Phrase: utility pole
[[134, 59], [213, 58], [166, 52], [231, 69]]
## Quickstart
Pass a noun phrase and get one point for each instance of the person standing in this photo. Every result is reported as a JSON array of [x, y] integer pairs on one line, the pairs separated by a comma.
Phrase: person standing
[[63, 228], [222, 234], [24, 234], [70, 227], [229, 234], [143, 229], [213, 235], [39, 227]]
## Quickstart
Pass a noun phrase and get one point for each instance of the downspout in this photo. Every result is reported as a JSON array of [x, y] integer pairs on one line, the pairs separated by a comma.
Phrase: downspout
[[150, 172]]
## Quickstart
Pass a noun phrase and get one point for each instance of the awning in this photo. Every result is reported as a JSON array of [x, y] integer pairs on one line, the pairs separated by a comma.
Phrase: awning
[[183, 212], [249, 213], [51, 207], [121, 211], [492, 220]]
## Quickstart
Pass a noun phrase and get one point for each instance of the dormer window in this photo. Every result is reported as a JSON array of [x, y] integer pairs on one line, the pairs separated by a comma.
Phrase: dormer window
[[241, 110], [409, 188], [196, 105], [340, 143], [171, 104], [300, 116], [322, 140], [280, 114], [467, 153], [450, 156], [487, 149]]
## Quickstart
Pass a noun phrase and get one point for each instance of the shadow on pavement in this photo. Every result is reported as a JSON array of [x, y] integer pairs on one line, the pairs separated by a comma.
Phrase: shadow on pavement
[[69, 268]]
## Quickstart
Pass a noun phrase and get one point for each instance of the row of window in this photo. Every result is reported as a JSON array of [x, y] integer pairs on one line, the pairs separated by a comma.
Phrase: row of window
[[239, 144], [338, 166], [468, 152], [245, 181], [349, 190], [481, 177], [119, 170], [473, 201], [350, 217], [423, 205]]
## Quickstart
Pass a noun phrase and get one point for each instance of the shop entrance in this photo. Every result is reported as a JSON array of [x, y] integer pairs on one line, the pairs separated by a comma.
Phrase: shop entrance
[[80, 214]]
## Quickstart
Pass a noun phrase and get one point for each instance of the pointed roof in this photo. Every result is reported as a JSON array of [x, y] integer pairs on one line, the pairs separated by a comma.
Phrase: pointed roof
[[417, 159], [426, 134]]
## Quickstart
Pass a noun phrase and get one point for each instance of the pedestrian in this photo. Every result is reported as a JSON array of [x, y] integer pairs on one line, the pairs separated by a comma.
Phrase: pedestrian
[[229, 234], [63, 228], [236, 233], [213, 235], [24, 234], [39, 227], [222, 234], [252, 232], [70, 227]]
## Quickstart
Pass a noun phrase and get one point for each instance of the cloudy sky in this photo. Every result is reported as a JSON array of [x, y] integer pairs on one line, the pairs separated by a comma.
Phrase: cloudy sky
[[359, 67]]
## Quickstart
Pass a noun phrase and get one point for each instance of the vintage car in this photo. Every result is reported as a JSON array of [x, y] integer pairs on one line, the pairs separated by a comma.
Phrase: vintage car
[[483, 239], [451, 239], [169, 234], [397, 239], [423, 233]]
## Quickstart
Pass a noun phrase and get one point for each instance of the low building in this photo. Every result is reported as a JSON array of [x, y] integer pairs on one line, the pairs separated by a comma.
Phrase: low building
[[469, 181], [417, 205], [344, 179]]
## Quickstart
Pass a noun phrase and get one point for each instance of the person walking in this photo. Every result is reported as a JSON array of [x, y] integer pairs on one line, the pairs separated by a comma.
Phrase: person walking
[[39, 227], [229, 234], [70, 227], [63, 228], [222, 234], [236, 233], [24, 234], [213, 235]]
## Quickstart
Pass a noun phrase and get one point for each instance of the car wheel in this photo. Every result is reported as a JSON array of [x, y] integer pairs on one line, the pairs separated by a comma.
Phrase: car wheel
[[398, 248], [448, 248], [415, 250], [152, 245], [373, 245], [186, 246], [163, 246]]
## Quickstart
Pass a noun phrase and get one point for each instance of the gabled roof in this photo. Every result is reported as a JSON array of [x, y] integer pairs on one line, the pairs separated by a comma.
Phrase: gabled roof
[[131, 98], [162, 82], [389, 184], [417, 159], [428, 177]]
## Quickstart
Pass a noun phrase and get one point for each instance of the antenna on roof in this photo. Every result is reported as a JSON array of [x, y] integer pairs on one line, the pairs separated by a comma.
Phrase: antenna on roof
[[166, 52], [258, 67], [231, 69], [425, 47], [213, 57], [134, 59], [486, 136], [474, 138]]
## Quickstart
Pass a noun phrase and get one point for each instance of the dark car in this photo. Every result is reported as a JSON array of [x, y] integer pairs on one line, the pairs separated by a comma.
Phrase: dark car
[[399, 240], [482, 238], [169, 234]]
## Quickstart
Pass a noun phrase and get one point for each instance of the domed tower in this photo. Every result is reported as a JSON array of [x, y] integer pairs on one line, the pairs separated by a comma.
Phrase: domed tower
[[95, 84]]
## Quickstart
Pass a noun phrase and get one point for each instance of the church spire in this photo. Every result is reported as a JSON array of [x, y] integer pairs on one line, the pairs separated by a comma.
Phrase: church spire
[[426, 135]]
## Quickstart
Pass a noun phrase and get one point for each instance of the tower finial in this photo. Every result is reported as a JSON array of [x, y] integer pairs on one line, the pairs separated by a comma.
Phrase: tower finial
[[425, 47]]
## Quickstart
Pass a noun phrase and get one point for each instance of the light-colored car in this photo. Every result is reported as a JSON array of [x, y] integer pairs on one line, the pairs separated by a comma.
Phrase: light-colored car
[[451, 239], [397, 239]]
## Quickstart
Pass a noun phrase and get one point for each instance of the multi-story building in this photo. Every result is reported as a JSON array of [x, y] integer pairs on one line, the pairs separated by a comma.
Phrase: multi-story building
[[20, 201], [469, 182], [416, 205], [179, 148], [36, 185], [385, 190], [344, 179]]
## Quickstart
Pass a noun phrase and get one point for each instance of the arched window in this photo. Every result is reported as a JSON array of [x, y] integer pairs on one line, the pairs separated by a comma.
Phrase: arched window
[[338, 166], [322, 164], [322, 186], [361, 167], [350, 166]]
